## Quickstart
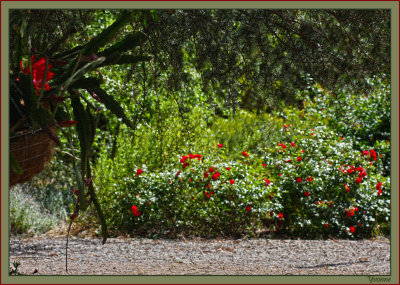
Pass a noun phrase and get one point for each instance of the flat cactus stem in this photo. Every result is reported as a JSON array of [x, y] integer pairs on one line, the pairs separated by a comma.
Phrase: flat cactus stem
[[81, 188], [83, 130], [85, 83], [97, 206], [125, 59], [128, 43], [106, 35], [113, 106]]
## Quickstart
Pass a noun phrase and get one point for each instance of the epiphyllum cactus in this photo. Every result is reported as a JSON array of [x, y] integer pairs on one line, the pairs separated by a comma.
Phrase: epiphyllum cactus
[[39, 72]]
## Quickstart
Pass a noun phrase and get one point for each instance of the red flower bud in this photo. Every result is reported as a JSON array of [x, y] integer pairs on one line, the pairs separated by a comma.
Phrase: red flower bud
[[67, 123]]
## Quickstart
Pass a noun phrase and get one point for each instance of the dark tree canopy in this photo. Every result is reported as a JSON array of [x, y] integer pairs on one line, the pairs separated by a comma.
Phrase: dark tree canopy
[[256, 54], [244, 56]]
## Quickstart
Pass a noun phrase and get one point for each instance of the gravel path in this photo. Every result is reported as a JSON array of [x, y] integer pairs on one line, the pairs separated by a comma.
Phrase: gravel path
[[127, 256]]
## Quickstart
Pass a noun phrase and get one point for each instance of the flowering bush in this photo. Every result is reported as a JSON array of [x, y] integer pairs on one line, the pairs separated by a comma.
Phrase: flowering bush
[[206, 196], [321, 178], [310, 178]]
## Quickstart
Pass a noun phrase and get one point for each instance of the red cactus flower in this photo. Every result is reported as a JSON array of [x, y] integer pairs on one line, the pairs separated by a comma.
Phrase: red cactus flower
[[38, 69]]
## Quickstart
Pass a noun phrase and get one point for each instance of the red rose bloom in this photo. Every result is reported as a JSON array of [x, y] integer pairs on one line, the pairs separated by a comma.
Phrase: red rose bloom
[[135, 211], [379, 188], [359, 180], [299, 158], [245, 153], [352, 230], [373, 154], [212, 169], [228, 168], [139, 171], [220, 145], [365, 152], [280, 216], [248, 208], [205, 174], [362, 174], [298, 179], [309, 179], [306, 194], [232, 181], [292, 143], [349, 212], [216, 175]]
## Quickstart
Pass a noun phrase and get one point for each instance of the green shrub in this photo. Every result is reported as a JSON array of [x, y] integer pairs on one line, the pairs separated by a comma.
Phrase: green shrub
[[363, 119], [188, 198], [329, 182], [39, 205], [318, 176], [26, 215]]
